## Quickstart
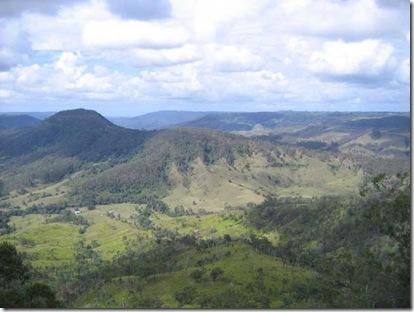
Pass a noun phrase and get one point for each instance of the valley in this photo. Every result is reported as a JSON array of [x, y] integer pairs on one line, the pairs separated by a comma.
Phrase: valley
[[225, 210]]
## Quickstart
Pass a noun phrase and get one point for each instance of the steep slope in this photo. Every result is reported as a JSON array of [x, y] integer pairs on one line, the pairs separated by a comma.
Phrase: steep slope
[[17, 121], [157, 120]]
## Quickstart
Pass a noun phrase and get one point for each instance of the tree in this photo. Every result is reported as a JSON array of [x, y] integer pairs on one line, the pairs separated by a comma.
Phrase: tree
[[40, 296], [186, 295], [260, 279], [16, 291], [215, 273], [11, 264], [376, 134], [2, 188], [197, 274]]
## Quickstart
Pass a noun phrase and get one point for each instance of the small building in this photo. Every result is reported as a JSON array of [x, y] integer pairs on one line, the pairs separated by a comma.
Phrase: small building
[[76, 211]]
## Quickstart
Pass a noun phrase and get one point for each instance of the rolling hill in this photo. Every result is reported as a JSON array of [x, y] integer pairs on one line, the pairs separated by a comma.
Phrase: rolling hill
[[17, 121], [356, 133]]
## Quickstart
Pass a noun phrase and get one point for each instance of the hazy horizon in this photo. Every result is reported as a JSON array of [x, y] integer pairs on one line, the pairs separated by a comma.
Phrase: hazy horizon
[[190, 111]]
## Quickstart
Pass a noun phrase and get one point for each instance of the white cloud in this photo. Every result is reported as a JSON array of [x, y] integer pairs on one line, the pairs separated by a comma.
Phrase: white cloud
[[68, 64], [404, 71], [63, 32], [365, 59], [212, 17], [4, 93], [14, 45], [346, 19], [226, 58], [126, 34], [139, 57]]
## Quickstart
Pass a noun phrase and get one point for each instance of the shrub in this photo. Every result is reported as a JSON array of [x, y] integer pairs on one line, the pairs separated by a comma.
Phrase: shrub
[[186, 295], [197, 274], [215, 273]]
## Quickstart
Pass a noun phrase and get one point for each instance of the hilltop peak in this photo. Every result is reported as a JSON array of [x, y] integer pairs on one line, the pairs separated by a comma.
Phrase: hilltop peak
[[79, 116]]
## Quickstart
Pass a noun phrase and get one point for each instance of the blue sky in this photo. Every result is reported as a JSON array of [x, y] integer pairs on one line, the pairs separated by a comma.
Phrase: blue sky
[[128, 57]]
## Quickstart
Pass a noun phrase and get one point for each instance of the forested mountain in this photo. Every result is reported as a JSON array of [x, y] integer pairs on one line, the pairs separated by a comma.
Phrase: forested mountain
[[188, 217], [81, 133]]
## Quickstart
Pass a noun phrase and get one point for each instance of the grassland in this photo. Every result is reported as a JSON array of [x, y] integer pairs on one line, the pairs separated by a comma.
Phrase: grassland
[[46, 244], [53, 243], [43, 194], [49, 243]]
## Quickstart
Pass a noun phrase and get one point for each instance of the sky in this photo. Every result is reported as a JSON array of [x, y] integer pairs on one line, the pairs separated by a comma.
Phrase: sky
[[128, 57]]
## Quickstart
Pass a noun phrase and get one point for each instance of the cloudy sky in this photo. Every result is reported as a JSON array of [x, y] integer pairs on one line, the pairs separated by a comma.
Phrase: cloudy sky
[[127, 57]]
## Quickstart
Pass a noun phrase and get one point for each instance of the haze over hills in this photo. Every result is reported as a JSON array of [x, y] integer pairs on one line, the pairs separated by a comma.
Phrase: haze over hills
[[361, 133], [157, 120], [244, 121], [37, 115], [17, 121]]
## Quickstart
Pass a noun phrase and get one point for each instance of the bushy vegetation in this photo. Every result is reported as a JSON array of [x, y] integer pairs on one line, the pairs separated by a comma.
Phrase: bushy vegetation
[[360, 247], [17, 286], [318, 145]]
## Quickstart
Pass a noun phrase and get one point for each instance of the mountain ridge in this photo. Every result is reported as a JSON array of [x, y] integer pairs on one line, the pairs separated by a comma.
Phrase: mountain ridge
[[17, 121]]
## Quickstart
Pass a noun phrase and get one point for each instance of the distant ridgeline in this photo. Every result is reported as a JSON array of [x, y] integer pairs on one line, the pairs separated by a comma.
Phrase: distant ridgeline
[[17, 121]]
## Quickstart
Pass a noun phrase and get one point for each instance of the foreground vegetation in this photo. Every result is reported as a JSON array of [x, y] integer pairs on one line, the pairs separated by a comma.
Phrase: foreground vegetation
[[285, 252]]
